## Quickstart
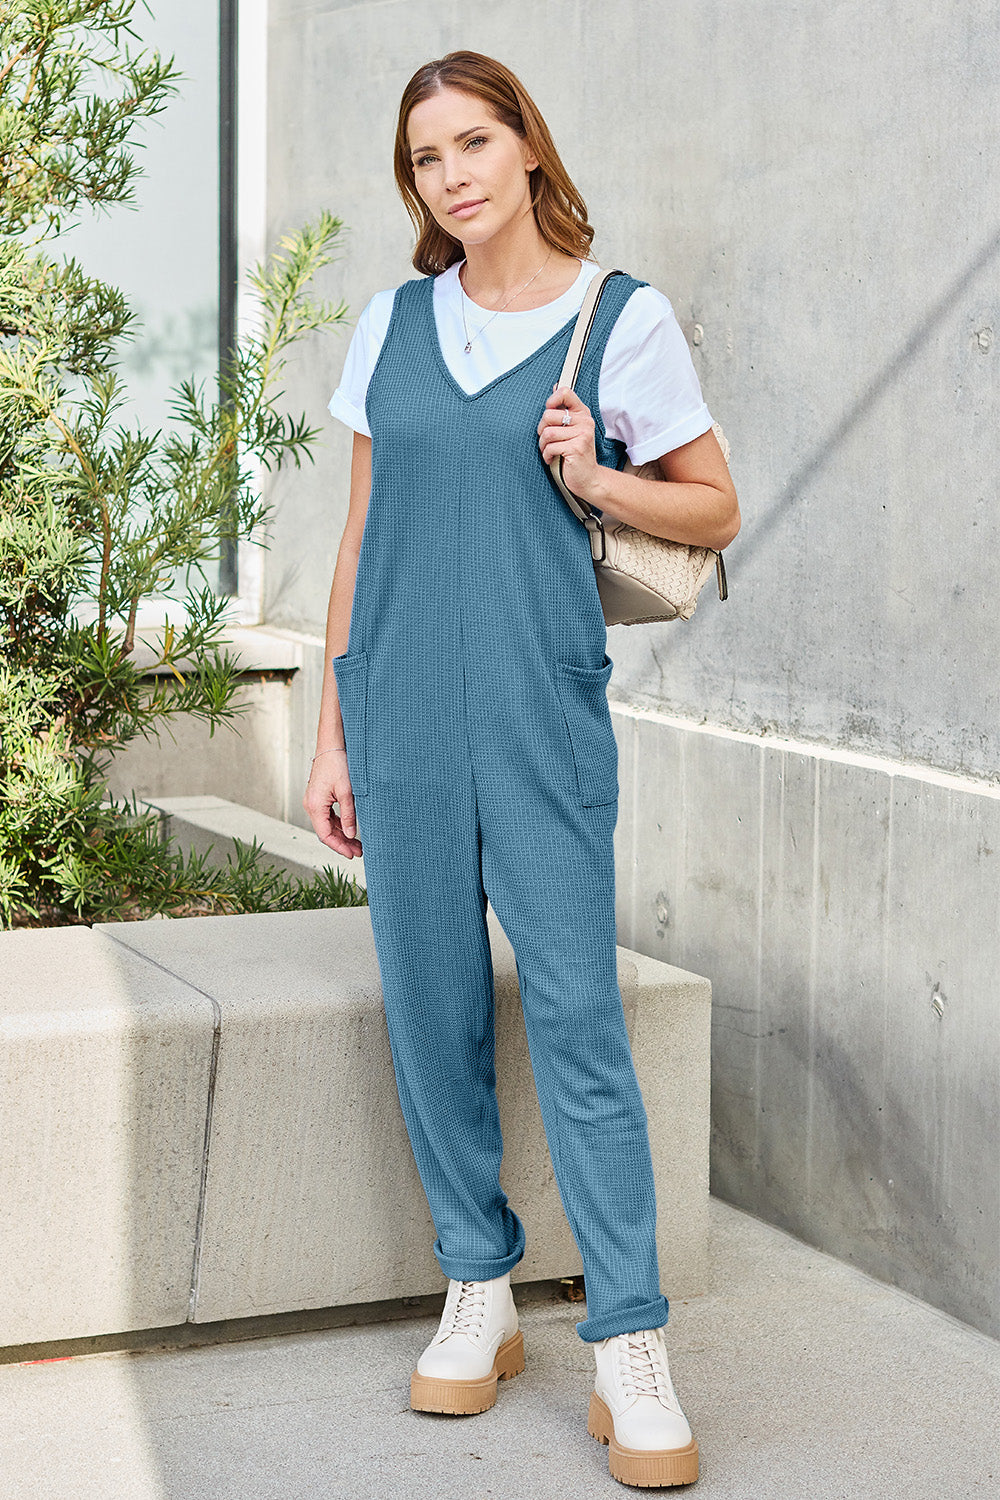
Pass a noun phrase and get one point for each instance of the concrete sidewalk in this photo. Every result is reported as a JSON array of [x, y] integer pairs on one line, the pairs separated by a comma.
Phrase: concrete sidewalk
[[802, 1378]]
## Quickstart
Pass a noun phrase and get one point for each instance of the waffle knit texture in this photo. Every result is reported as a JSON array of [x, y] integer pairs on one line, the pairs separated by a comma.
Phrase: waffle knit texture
[[484, 767]]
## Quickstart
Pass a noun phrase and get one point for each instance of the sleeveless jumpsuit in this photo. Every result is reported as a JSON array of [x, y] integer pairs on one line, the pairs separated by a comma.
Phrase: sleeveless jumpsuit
[[484, 767]]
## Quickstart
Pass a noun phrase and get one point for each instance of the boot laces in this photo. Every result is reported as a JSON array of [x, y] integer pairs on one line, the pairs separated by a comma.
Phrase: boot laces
[[642, 1363], [468, 1309]]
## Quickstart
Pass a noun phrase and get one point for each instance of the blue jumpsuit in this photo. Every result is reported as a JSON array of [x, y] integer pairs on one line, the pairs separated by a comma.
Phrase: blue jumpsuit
[[484, 767]]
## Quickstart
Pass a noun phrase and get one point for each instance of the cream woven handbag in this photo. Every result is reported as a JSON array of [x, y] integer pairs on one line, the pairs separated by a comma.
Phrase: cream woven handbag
[[639, 577]]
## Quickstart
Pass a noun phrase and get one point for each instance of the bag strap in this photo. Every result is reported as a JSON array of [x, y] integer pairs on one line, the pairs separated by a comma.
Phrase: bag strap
[[569, 375], [584, 324]]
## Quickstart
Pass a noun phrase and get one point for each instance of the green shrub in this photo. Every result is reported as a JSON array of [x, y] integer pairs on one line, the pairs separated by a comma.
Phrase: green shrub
[[97, 515]]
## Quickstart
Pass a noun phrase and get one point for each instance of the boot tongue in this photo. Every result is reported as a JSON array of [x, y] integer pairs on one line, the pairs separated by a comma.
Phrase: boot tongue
[[469, 1308], [646, 1369], [642, 1365]]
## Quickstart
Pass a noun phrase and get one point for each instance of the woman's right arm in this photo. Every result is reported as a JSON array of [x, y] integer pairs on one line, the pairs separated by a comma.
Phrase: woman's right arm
[[329, 782]]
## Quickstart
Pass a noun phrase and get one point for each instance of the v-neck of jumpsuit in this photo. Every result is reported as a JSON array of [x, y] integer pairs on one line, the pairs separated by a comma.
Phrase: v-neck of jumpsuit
[[476, 629]]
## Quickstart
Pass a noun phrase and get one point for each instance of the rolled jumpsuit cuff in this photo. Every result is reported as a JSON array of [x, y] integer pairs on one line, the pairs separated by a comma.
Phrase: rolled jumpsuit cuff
[[468, 1269], [628, 1320]]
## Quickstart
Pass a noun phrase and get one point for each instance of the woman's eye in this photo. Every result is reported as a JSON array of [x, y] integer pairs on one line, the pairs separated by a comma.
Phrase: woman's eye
[[422, 161], [477, 140]]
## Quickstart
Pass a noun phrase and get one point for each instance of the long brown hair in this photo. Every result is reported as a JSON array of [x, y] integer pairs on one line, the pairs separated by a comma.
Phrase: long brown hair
[[560, 212]]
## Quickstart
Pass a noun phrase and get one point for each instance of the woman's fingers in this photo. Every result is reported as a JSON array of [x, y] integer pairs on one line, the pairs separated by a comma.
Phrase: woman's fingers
[[565, 396], [570, 441], [566, 427], [330, 788], [566, 430], [564, 403], [551, 449], [345, 827], [338, 839], [348, 818]]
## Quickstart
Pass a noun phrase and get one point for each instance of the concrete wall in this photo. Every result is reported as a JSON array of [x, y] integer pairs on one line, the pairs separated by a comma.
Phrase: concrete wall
[[260, 758], [247, 759], [809, 185], [847, 911]]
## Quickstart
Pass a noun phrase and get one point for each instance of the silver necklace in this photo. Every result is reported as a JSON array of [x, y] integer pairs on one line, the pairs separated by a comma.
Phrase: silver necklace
[[471, 338]]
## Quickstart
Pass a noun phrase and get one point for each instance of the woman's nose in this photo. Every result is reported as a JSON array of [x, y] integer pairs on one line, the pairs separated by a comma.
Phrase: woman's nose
[[455, 175]]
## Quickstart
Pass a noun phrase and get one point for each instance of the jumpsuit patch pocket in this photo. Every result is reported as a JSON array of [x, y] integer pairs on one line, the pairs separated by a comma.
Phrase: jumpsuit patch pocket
[[351, 672], [583, 695]]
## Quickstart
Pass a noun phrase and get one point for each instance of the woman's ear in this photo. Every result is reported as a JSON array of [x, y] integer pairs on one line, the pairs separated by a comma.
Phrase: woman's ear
[[530, 160]]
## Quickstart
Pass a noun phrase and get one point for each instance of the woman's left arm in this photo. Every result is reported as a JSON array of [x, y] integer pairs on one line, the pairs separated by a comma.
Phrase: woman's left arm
[[695, 503]]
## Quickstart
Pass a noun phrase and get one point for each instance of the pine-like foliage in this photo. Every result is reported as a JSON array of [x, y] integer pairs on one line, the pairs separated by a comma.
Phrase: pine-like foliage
[[96, 515]]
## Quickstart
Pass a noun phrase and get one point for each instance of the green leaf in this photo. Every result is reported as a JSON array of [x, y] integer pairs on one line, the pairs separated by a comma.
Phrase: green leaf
[[98, 516]]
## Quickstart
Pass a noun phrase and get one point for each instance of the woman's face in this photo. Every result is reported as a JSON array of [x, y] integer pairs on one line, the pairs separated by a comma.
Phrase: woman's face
[[470, 169]]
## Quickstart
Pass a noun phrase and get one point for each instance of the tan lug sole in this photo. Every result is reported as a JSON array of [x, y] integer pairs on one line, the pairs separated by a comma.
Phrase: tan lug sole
[[462, 1398], [644, 1468]]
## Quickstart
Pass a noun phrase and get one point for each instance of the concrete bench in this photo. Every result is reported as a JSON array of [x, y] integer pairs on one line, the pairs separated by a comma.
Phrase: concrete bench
[[200, 1122]]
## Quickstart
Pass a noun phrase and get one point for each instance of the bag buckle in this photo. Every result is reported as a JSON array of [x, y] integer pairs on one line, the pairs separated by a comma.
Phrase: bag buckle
[[595, 527]]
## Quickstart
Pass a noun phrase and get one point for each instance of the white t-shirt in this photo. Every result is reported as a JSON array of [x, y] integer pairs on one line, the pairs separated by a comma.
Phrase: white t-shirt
[[649, 393]]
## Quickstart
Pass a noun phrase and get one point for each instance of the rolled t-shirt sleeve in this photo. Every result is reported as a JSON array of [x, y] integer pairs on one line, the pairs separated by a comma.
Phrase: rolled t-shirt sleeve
[[650, 395], [347, 403]]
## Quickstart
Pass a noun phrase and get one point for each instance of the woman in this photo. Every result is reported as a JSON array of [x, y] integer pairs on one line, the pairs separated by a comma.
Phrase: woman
[[465, 735]]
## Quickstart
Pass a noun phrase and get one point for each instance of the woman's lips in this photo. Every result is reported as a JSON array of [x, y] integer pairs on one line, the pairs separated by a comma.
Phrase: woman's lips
[[465, 210]]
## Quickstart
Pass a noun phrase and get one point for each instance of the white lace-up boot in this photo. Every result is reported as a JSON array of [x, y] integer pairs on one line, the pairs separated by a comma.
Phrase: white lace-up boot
[[635, 1411], [477, 1343]]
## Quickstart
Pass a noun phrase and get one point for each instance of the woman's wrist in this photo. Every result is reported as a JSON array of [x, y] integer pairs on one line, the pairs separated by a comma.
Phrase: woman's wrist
[[598, 489], [331, 750]]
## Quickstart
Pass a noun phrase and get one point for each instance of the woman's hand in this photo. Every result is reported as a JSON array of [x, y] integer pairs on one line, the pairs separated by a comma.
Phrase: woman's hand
[[572, 439], [329, 783]]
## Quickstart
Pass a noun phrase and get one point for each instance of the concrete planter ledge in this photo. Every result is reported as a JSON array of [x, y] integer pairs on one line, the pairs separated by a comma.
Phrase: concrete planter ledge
[[212, 824], [201, 1123]]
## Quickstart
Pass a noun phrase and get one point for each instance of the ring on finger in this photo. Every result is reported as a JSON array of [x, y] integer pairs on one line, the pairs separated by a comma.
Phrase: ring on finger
[[566, 418]]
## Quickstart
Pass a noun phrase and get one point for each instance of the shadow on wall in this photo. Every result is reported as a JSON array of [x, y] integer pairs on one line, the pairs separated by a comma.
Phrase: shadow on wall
[[901, 1227], [800, 479]]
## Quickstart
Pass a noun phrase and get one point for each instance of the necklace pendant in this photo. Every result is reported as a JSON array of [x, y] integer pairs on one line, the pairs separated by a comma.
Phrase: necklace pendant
[[468, 347]]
